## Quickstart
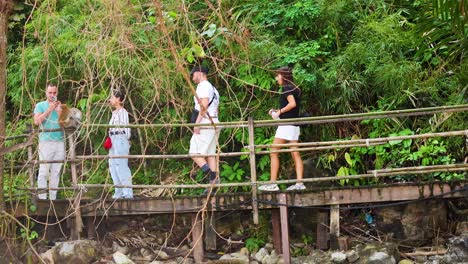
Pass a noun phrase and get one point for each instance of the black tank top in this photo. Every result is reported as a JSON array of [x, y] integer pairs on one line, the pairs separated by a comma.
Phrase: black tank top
[[293, 90]]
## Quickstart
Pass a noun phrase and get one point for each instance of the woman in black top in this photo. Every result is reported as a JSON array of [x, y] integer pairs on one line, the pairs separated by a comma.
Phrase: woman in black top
[[289, 102]]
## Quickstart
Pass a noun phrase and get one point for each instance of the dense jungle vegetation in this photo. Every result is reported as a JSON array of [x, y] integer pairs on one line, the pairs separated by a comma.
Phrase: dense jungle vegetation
[[349, 56]]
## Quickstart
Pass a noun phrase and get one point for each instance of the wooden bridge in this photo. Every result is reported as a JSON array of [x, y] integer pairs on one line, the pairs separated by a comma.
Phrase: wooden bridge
[[82, 208]]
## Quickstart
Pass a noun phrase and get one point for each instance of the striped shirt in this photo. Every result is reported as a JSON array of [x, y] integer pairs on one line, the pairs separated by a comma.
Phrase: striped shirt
[[119, 117]]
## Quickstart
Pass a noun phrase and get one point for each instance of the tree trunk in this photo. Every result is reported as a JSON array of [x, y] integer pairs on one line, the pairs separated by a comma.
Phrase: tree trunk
[[5, 7]]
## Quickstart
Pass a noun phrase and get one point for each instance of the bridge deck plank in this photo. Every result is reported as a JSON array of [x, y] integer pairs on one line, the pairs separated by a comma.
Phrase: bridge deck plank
[[242, 201]]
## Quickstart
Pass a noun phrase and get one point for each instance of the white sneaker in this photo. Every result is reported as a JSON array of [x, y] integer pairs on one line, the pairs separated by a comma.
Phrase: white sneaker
[[269, 187], [295, 187]]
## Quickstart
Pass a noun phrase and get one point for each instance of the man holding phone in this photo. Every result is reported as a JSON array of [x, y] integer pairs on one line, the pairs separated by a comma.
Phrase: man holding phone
[[51, 144]]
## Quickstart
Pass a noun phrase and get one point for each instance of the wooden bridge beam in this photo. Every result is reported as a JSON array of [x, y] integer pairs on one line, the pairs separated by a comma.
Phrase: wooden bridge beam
[[139, 206]]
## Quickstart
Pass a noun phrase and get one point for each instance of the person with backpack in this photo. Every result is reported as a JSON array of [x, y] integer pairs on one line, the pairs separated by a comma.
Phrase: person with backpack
[[205, 139]]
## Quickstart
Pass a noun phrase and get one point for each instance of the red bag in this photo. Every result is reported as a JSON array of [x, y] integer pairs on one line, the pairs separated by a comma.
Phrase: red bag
[[108, 143]]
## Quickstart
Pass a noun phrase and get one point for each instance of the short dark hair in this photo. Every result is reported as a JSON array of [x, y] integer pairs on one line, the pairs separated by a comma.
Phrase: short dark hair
[[119, 94], [199, 68], [286, 73], [51, 85]]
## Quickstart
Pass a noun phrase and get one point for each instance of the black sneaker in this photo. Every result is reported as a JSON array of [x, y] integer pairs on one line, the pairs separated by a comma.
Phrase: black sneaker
[[213, 191]]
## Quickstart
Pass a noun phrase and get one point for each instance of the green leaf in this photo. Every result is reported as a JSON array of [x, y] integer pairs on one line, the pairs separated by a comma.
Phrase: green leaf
[[342, 171], [348, 159], [198, 51]]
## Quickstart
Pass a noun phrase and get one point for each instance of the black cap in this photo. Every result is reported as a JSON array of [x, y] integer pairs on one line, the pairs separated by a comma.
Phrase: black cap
[[199, 68]]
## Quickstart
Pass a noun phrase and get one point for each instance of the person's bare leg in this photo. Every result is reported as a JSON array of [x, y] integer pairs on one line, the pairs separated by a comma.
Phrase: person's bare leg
[[212, 163], [296, 155], [274, 160], [199, 161]]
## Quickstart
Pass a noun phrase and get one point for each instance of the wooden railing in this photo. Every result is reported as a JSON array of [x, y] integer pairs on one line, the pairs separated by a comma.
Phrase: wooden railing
[[253, 150]]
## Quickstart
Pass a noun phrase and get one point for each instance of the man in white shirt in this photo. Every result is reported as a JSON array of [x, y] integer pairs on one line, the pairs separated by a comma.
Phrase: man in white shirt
[[205, 139]]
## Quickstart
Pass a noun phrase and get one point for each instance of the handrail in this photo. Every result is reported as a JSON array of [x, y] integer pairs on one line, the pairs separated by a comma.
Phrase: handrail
[[382, 173], [253, 150], [306, 120]]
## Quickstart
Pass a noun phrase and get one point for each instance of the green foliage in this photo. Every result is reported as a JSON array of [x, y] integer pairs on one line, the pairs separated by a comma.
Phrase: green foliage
[[232, 173], [348, 56], [395, 154], [254, 244]]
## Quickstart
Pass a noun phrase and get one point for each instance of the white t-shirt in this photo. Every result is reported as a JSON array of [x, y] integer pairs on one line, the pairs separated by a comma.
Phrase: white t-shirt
[[120, 117], [206, 90]]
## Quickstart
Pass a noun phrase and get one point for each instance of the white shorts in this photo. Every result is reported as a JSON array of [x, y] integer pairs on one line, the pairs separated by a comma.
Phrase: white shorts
[[288, 132], [205, 142]]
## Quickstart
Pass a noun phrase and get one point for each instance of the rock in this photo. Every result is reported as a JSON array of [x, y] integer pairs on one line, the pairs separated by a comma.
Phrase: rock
[[235, 258], [147, 255], [381, 258], [253, 262], [352, 256], [271, 259], [376, 253], [317, 256], [122, 249], [414, 222], [406, 261], [185, 248], [280, 260], [48, 256], [261, 254], [457, 251], [338, 257], [462, 228], [120, 258], [269, 247], [244, 251], [299, 245], [78, 251], [161, 255], [182, 260]]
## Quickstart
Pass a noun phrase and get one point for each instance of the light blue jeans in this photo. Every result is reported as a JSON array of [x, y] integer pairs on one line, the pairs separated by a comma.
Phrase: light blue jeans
[[118, 167]]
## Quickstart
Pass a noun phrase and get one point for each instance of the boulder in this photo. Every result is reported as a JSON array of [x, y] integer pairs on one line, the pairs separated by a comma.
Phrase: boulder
[[78, 251], [381, 258], [271, 259], [338, 257], [241, 257], [376, 253], [406, 261], [457, 250], [162, 255], [261, 254], [117, 247], [414, 222], [317, 256], [351, 256], [244, 251], [182, 260], [120, 258], [462, 228]]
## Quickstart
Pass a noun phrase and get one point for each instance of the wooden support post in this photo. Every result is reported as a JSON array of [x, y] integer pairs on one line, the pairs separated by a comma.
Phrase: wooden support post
[[276, 223], [30, 167], [210, 233], [253, 170], [322, 230], [90, 227], [343, 243], [334, 226], [77, 227], [284, 228], [197, 233]]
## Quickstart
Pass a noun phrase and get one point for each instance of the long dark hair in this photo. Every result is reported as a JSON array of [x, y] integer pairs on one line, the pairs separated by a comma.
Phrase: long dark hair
[[287, 75]]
